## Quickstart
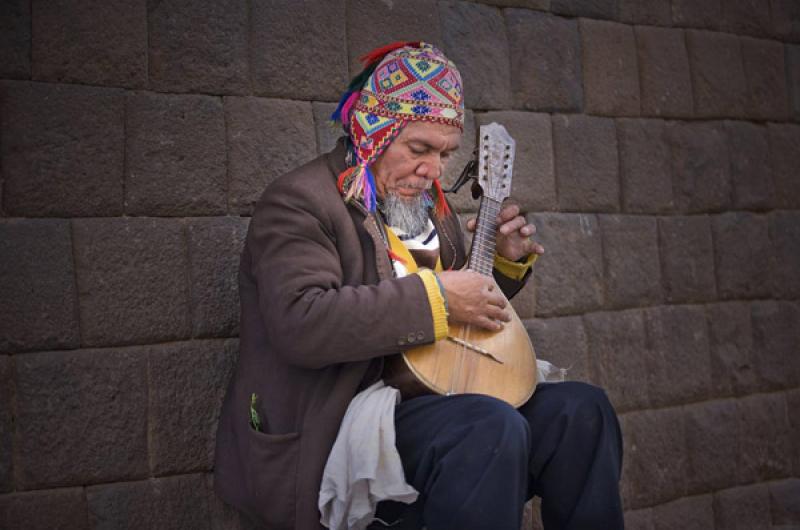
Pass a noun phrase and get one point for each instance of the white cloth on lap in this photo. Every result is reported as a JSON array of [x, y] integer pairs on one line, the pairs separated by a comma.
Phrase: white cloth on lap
[[364, 466]]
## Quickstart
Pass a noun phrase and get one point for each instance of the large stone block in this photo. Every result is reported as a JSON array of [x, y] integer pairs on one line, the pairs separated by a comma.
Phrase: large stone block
[[689, 513], [545, 61], [784, 500], [630, 255], [187, 383], [694, 14], [711, 446], [784, 156], [784, 233], [587, 165], [585, 8], [776, 336], [786, 19], [718, 77], [751, 178], [746, 17], [617, 349], [132, 276], [639, 519], [45, 510], [175, 157], [195, 49], [742, 508], [793, 408], [222, 515], [733, 359], [763, 439], [793, 74], [266, 138], [215, 245], [37, 286], [298, 49], [742, 253], [371, 25], [561, 341], [474, 38], [160, 504], [645, 166], [95, 400], [327, 132], [96, 42], [63, 150], [654, 467], [678, 357], [700, 166], [646, 12], [6, 423], [533, 185], [569, 277], [764, 67], [687, 258], [664, 73], [610, 70], [15, 39], [541, 5]]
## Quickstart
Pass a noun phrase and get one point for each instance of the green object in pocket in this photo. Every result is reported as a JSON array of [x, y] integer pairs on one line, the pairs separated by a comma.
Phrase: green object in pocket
[[255, 421]]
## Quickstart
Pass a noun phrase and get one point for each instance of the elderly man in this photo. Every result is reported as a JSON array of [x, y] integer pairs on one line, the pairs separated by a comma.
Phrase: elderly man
[[325, 294]]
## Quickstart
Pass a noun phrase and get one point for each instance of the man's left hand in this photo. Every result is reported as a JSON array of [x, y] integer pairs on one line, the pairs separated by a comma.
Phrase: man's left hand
[[513, 233]]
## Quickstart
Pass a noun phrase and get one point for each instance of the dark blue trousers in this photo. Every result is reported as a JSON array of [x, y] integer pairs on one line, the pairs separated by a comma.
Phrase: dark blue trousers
[[475, 460]]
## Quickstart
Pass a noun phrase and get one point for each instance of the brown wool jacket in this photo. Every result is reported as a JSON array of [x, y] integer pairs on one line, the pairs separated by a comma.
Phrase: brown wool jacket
[[319, 310]]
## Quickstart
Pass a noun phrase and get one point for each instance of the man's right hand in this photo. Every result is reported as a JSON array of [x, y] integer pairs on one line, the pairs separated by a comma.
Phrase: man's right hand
[[474, 298]]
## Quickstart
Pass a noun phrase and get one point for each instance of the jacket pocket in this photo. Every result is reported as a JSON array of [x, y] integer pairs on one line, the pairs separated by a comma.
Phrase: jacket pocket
[[271, 474]]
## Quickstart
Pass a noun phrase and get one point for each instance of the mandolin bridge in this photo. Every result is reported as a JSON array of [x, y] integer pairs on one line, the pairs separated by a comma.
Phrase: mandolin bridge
[[473, 347]]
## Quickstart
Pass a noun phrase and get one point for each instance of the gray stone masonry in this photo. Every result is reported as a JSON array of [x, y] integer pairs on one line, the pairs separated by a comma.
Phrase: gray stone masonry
[[654, 467], [198, 52], [742, 508], [63, 396], [587, 163], [751, 177], [645, 166], [544, 77], [215, 245], [474, 35], [689, 513], [187, 384], [266, 138], [175, 155], [132, 280], [610, 69], [62, 149], [658, 154], [92, 43], [298, 49], [15, 39], [37, 273], [664, 75]]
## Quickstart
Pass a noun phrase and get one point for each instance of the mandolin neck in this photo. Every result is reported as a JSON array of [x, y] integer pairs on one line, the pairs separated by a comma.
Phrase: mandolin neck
[[481, 258]]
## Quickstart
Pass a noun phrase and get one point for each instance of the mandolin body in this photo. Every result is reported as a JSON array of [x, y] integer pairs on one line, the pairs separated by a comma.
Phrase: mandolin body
[[447, 367]]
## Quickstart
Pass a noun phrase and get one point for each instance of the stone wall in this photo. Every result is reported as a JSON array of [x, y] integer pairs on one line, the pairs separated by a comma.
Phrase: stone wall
[[658, 154]]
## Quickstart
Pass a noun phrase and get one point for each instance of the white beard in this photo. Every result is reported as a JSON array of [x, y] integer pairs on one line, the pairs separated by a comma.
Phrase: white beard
[[409, 215]]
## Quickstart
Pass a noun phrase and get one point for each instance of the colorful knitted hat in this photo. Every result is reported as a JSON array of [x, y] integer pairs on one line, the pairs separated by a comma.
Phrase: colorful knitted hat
[[401, 82]]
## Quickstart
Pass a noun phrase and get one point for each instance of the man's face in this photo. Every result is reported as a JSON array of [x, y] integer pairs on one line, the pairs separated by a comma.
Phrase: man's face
[[416, 157]]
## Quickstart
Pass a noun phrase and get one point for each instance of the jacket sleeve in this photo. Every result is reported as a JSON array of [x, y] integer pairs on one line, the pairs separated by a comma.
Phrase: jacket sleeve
[[312, 319]]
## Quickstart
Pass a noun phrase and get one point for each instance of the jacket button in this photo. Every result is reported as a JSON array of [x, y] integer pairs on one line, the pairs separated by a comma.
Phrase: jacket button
[[411, 338], [420, 335]]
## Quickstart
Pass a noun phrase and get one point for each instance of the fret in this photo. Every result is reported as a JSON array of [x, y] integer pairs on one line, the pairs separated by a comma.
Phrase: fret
[[483, 243]]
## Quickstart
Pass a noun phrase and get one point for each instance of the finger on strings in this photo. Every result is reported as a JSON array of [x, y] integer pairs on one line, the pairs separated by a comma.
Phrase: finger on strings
[[517, 223]]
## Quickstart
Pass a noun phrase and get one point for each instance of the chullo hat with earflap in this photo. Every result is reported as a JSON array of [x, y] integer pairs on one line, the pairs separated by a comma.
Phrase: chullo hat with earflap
[[401, 82]]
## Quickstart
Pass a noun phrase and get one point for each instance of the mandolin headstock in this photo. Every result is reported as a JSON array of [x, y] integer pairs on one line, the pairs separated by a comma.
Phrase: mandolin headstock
[[495, 159]]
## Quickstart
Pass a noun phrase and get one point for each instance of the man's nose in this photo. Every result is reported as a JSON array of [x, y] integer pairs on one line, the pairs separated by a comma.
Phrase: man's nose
[[430, 169]]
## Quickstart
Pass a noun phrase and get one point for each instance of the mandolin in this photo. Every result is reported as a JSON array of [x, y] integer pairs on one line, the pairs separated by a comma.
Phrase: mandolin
[[473, 360]]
